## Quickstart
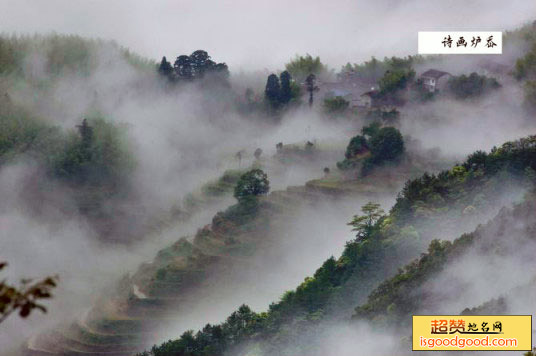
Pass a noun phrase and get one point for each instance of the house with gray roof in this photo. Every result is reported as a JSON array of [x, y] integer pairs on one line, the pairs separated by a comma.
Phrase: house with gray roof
[[434, 80]]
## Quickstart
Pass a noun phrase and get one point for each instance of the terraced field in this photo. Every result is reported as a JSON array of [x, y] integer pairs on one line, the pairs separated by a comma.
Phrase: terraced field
[[155, 296]]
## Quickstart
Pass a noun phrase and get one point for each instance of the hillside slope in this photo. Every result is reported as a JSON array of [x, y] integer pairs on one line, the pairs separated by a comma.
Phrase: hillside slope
[[292, 325]]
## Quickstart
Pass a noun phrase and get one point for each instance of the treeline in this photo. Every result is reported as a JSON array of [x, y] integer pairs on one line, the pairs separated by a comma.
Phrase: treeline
[[92, 159], [394, 301], [195, 66], [382, 243], [61, 54], [525, 67]]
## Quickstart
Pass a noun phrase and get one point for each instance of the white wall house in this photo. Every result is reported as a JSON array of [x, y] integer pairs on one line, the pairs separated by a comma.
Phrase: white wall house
[[434, 80]]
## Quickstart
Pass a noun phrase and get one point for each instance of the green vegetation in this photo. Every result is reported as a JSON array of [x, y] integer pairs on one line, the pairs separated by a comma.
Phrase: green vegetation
[[525, 67], [251, 184], [224, 184], [61, 54], [196, 66], [525, 70], [280, 92], [335, 106], [21, 132], [472, 86], [394, 300], [376, 146], [364, 224], [395, 80], [382, 242], [95, 156], [375, 69], [301, 66]]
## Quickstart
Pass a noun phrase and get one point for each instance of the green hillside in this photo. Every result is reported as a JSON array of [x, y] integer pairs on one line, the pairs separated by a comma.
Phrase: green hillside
[[399, 236]]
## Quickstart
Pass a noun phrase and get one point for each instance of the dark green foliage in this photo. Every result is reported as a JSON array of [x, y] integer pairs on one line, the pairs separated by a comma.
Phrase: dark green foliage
[[96, 156], [395, 80], [196, 66], [252, 184], [465, 182], [310, 84], [371, 129], [165, 68], [213, 339], [340, 284], [237, 214], [374, 69], [279, 93], [357, 145], [472, 86], [386, 145], [272, 92], [286, 90], [396, 295], [396, 299], [336, 106]]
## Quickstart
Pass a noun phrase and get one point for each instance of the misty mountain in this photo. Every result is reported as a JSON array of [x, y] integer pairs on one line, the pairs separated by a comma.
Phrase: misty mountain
[[224, 201]]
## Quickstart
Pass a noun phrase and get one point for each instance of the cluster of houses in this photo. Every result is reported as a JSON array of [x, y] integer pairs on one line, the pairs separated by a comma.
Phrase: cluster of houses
[[363, 94]]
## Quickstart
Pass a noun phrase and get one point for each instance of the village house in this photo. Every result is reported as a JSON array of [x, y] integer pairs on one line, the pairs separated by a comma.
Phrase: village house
[[494, 69], [349, 87], [434, 80]]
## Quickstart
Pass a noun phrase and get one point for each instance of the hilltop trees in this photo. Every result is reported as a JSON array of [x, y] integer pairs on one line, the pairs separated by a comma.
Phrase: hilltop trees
[[97, 155], [374, 69], [286, 90], [272, 92], [302, 66], [280, 91], [165, 69], [471, 86], [395, 80], [193, 67]]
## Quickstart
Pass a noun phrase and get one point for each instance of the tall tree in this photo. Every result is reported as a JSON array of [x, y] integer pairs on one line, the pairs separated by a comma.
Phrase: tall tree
[[286, 90], [363, 224], [165, 68], [273, 90], [310, 84], [201, 63], [183, 67], [252, 184]]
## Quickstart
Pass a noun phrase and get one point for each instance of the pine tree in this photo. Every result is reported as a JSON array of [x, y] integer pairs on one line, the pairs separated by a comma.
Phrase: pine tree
[[273, 90], [165, 68], [286, 91]]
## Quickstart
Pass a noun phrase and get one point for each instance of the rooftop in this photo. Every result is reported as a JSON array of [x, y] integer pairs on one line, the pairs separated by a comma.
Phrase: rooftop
[[434, 73]]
